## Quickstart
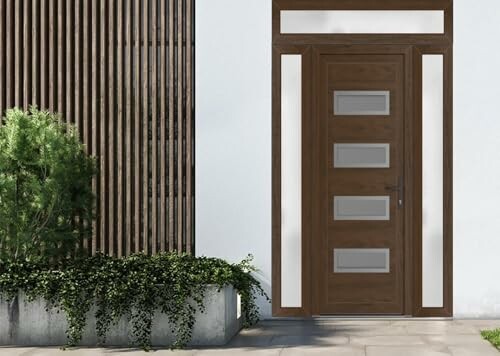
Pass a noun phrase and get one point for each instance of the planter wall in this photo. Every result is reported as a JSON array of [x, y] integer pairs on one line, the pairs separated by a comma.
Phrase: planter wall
[[29, 324]]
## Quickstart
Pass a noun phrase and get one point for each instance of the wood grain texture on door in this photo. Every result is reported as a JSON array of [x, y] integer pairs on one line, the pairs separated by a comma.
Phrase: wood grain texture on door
[[361, 209]]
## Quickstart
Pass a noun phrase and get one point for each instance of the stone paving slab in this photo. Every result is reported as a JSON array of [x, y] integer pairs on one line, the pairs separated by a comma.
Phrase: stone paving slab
[[328, 337]]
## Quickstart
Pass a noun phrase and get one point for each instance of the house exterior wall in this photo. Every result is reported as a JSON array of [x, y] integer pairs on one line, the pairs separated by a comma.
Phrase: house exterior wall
[[233, 143]]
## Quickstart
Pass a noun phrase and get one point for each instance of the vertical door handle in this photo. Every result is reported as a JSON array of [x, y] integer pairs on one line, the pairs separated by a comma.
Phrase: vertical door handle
[[399, 189]]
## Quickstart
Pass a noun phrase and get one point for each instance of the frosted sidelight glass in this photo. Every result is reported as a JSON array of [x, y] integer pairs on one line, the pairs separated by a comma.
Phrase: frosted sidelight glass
[[432, 181], [291, 180], [362, 21]]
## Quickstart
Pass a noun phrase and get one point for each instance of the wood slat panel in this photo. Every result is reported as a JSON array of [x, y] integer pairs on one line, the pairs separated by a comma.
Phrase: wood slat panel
[[25, 55], [111, 126], [103, 161], [137, 127], [43, 54], [95, 125], [163, 126], [145, 125], [121, 71], [154, 130], [18, 80], [180, 120], [119, 129], [171, 131], [9, 57], [128, 127], [189, 132], [35, 43]]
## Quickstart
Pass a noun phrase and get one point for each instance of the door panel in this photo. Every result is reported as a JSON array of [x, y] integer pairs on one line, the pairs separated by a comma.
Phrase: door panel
[[362, 209]]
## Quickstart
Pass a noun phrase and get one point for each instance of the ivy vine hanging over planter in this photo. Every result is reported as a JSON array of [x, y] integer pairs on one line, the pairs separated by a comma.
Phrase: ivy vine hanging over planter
[[134, 287]]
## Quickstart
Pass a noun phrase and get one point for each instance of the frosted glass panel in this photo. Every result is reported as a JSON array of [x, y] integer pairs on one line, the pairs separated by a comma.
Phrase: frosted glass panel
[[361, 155], [365, 102], [432, 180], [361, 260], [291, 180], [362, 21], [361, 208]]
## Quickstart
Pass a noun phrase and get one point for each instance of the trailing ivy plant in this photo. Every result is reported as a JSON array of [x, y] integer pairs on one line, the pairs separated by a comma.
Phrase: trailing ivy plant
[[134, 287], [45, 186]]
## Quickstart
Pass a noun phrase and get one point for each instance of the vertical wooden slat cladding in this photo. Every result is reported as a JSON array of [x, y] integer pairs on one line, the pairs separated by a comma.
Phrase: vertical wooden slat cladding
[[154, 130], [111, 119], [26, 54], [180, 119], [189, 133], [171, 132], [137, 127], [128, 126], [163, 127], [94, 128], [145, 126], [121, 71], [119, 128], [103, 159]]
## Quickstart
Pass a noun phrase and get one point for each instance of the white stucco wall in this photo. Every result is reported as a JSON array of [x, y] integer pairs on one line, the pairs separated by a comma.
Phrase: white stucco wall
[[233, 143], [233, 132], [476, 158]]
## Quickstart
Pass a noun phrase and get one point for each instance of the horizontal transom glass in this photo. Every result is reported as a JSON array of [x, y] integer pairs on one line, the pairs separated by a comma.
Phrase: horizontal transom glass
[[362, 21]]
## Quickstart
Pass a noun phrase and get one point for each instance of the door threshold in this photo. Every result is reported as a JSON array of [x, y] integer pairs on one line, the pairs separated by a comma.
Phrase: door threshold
[[376, 317], [359, 318]]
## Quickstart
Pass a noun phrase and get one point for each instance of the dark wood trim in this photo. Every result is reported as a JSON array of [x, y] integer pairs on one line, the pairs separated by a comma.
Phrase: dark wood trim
[[409, 176], [363, 4], [312, 39]]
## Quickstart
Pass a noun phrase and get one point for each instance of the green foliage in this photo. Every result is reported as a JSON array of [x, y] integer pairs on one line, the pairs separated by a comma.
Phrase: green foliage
[[45, 186], [492, 336], [134, 287]]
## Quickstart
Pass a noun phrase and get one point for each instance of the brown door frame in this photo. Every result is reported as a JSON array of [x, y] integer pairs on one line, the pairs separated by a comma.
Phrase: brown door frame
[[412, 47]]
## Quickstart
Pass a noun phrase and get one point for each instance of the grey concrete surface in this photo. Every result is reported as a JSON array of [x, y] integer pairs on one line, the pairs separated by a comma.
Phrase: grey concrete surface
[[327, 337], [29, 324]]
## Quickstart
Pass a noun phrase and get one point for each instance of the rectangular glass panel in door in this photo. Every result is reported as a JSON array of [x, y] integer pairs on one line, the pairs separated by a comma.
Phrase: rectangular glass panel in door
[[291, 180], [361, 102], [361, 155], [361, 260], [361, 208]]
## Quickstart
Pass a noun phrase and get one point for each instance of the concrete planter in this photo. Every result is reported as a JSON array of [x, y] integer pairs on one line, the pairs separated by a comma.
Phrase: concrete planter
[[29, 324]]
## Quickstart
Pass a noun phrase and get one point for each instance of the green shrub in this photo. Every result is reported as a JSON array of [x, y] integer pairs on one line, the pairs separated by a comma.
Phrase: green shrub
[[492, 336], [134, 287], [45, 186]]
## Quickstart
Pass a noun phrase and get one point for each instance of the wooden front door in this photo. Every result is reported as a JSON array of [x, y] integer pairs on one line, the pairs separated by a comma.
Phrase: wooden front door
[[360, 107]]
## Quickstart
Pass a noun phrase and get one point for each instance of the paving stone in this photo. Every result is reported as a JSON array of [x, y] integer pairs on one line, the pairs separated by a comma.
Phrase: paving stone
[[324, 351], [388, 340], [313, 340], [405, 351]]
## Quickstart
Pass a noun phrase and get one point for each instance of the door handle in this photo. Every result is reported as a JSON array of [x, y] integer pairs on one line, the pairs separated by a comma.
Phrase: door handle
[[399, 189]]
